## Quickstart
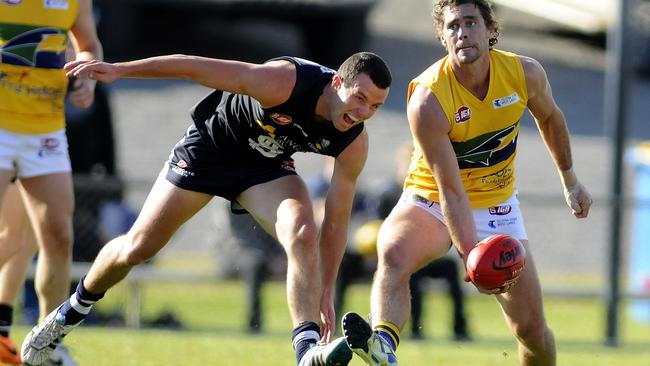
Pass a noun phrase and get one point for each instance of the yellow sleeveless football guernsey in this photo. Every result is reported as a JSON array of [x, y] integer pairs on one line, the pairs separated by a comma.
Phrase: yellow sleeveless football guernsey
[[33, 40], [483, 132]]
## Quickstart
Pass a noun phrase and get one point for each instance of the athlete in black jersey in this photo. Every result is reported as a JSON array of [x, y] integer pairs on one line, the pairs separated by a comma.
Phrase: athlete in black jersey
[[239, 147]]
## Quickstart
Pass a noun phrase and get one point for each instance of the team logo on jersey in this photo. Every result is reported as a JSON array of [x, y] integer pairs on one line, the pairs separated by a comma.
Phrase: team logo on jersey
[[505, 101], [463, 114], [500, 210], [12, 2], [488, 149], [56, 4], [281, 119], [182, 164], [266, 146]]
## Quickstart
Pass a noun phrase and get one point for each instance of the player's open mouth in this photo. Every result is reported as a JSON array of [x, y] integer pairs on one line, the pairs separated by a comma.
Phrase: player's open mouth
[[349, 119]]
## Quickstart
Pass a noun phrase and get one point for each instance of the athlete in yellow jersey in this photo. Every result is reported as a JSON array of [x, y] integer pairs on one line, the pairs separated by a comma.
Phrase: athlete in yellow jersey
[[34, 37], [483, 132], [464, 114]]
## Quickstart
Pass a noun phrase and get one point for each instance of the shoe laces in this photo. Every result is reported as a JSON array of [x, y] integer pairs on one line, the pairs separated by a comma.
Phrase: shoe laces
[[380, 345]]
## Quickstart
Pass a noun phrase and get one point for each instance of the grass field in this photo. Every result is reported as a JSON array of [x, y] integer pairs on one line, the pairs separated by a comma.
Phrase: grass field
[[213, 315]]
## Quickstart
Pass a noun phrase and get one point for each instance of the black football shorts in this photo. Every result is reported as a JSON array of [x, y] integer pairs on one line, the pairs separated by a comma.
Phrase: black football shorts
[[197, 166]]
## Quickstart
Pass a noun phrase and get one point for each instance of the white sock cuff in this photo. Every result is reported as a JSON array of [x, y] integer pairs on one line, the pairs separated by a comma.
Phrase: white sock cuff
[[80, 308], [305, 336]]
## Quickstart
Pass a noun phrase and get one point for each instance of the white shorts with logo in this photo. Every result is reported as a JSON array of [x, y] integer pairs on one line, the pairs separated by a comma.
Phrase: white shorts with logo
[[503, 219], [34, 155]]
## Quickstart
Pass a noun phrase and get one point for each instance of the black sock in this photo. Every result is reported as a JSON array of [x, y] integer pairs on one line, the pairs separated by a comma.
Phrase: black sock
[[77, 307], [304, 337], [6, 319]]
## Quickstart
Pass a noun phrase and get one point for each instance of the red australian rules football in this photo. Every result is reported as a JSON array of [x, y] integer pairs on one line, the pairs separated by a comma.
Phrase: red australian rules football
[[496, 261]]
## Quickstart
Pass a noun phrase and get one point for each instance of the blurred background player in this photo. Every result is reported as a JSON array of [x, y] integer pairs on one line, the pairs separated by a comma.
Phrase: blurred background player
[[33, 145], [445, 268], [354, 266], [248, 252]]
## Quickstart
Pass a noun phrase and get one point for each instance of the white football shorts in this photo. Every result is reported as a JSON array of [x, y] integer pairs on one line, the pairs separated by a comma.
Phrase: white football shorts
[[34, 155], [503, 219]]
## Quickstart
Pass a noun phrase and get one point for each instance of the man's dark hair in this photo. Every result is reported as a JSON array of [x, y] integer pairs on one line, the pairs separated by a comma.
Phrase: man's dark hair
[[367, 63], [484, 7]]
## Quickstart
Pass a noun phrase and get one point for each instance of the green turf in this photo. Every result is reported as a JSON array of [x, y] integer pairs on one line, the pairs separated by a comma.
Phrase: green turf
[[214, 318]]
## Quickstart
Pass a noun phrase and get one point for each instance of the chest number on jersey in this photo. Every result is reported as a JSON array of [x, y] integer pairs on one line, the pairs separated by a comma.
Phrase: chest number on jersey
[[266, 146]]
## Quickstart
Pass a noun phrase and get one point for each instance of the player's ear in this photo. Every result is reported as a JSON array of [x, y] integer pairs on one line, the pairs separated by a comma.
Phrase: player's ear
[[442, 41], [492, 32], [337, 82]]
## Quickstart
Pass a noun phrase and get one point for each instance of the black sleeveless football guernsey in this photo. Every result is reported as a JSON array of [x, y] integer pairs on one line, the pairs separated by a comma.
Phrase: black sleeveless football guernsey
[[241, 130]]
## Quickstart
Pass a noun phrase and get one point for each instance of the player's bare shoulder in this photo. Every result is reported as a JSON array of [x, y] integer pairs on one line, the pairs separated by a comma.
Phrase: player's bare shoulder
[[278, 78], [424, 109], [536, 79]]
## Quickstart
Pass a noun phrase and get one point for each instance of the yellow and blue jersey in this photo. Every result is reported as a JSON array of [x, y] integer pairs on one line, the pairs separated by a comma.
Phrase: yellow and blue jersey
[[33, 41], [483, 132]]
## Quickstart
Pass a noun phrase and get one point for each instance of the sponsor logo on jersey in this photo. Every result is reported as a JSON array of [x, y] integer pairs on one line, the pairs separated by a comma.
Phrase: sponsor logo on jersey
[[463, 114], [500, 210], [499, 179], [505, 101], [18, 83], [56, 4], [12, 2], [281, 119], [492, 224]]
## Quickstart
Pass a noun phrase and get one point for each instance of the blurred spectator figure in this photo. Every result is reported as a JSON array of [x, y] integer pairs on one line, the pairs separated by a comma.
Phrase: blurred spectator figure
[[100, 213], [445, 268], [354, 266], [251, 254]]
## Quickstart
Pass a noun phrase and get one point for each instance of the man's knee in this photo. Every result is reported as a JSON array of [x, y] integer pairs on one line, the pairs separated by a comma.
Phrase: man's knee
[[533, 334], [392, 262], [134, 249], [57, 240], [299, 238]]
